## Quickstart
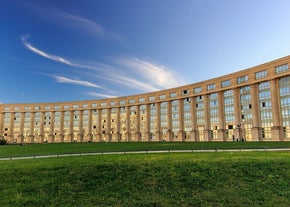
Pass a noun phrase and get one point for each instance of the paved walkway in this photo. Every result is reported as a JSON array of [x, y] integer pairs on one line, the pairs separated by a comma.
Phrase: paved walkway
[[143, 152]]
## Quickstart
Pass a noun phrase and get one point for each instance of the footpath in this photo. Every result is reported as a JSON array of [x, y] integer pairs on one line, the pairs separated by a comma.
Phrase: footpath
[[143, 152]]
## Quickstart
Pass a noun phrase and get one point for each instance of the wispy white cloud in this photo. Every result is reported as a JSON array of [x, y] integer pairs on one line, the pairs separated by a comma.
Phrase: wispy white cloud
[[62, 79], [157, 76], [98, 95], [130, 72]]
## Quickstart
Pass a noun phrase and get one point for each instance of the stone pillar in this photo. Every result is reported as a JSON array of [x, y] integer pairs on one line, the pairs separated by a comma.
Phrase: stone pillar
[[181, 133], [80, 127], [90, 125], [118, 125], [277, 129], [147, 133], [193, 133], [221, 130], [128, 127], [158, 136], [99, 133], [169, 122], [21, 132], [207, 130], [11, 128], [51, 130], [32, 120], [137, 133], [256, 129], [61, 126], [108, 134], [237, 113], [71, 126], [1, 124], [41, 127]]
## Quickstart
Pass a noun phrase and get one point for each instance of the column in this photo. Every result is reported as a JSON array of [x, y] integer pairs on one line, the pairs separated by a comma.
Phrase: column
[[90, 124], [51, 130], [128, 129], [207, 130], [61, 127], [118, 138], [21, 132], [221, 130], [169, 122], [193, 133], [237, 112], [11, 128], [2, 115], [32, 120], [108, 128], [71, 126], [147, 133], [137, 133], [99, 133], [80, 127], [181, 133], [41, 127], [256, 129], [277, 129], [158, 122]]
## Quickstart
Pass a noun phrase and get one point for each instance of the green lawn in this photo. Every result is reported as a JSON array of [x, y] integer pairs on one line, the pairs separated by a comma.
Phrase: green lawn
[[67, 148], [179, 179]]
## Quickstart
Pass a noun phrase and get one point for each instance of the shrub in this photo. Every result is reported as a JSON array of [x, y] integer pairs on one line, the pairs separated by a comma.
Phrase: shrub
[[3, 141]]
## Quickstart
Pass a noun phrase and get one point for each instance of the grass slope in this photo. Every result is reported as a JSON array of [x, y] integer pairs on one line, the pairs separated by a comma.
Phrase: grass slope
[[190, 179], [67, 148]]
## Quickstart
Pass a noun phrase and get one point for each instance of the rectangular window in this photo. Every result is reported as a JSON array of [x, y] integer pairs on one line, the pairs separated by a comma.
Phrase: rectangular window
[[113, 103], [173, 95], [152, 98], [261, 74], [131, 101], [85, 105], [185, 92], [197, 90], [66, 107], [210, 87], [141, 100], [47, 107], [281, 68], [226, 83], [122, 102], [162, 97], [56, 107], [103, 104], [242, 79]]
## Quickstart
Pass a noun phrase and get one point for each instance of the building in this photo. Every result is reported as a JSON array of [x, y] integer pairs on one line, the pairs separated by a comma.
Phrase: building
[[251, 105]]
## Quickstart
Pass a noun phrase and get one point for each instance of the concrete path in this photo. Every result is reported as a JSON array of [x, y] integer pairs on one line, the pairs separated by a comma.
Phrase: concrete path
[[144, 152]]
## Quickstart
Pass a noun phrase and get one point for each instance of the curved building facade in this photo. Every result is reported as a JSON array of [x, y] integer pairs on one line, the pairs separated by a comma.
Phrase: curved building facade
[[251, 105]]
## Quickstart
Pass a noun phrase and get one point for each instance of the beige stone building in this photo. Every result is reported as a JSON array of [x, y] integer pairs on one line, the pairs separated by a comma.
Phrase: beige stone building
[[251, 105]]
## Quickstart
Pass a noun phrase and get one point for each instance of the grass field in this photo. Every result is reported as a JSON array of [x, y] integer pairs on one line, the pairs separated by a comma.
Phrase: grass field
[[188, 179], [67, 148]]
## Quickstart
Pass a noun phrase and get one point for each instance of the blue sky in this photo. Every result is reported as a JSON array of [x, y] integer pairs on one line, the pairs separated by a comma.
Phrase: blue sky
[[69, 50]]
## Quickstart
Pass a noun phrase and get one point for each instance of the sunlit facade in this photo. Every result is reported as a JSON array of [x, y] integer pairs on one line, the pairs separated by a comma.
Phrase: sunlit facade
[[249, 105]]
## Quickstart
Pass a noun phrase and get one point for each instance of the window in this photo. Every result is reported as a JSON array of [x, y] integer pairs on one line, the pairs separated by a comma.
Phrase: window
[[113, 103], [26, 108], [197, 90], [261, 74], [242, 79], [185, 92], [226, 83], [210, 87], [75, 106], [173, 95], [161, 97], [152, 98], [56, 107], [141, 100], [103, 104], [66, 107], [122, 102], [85, 105], [131, 101], [281, 68]]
